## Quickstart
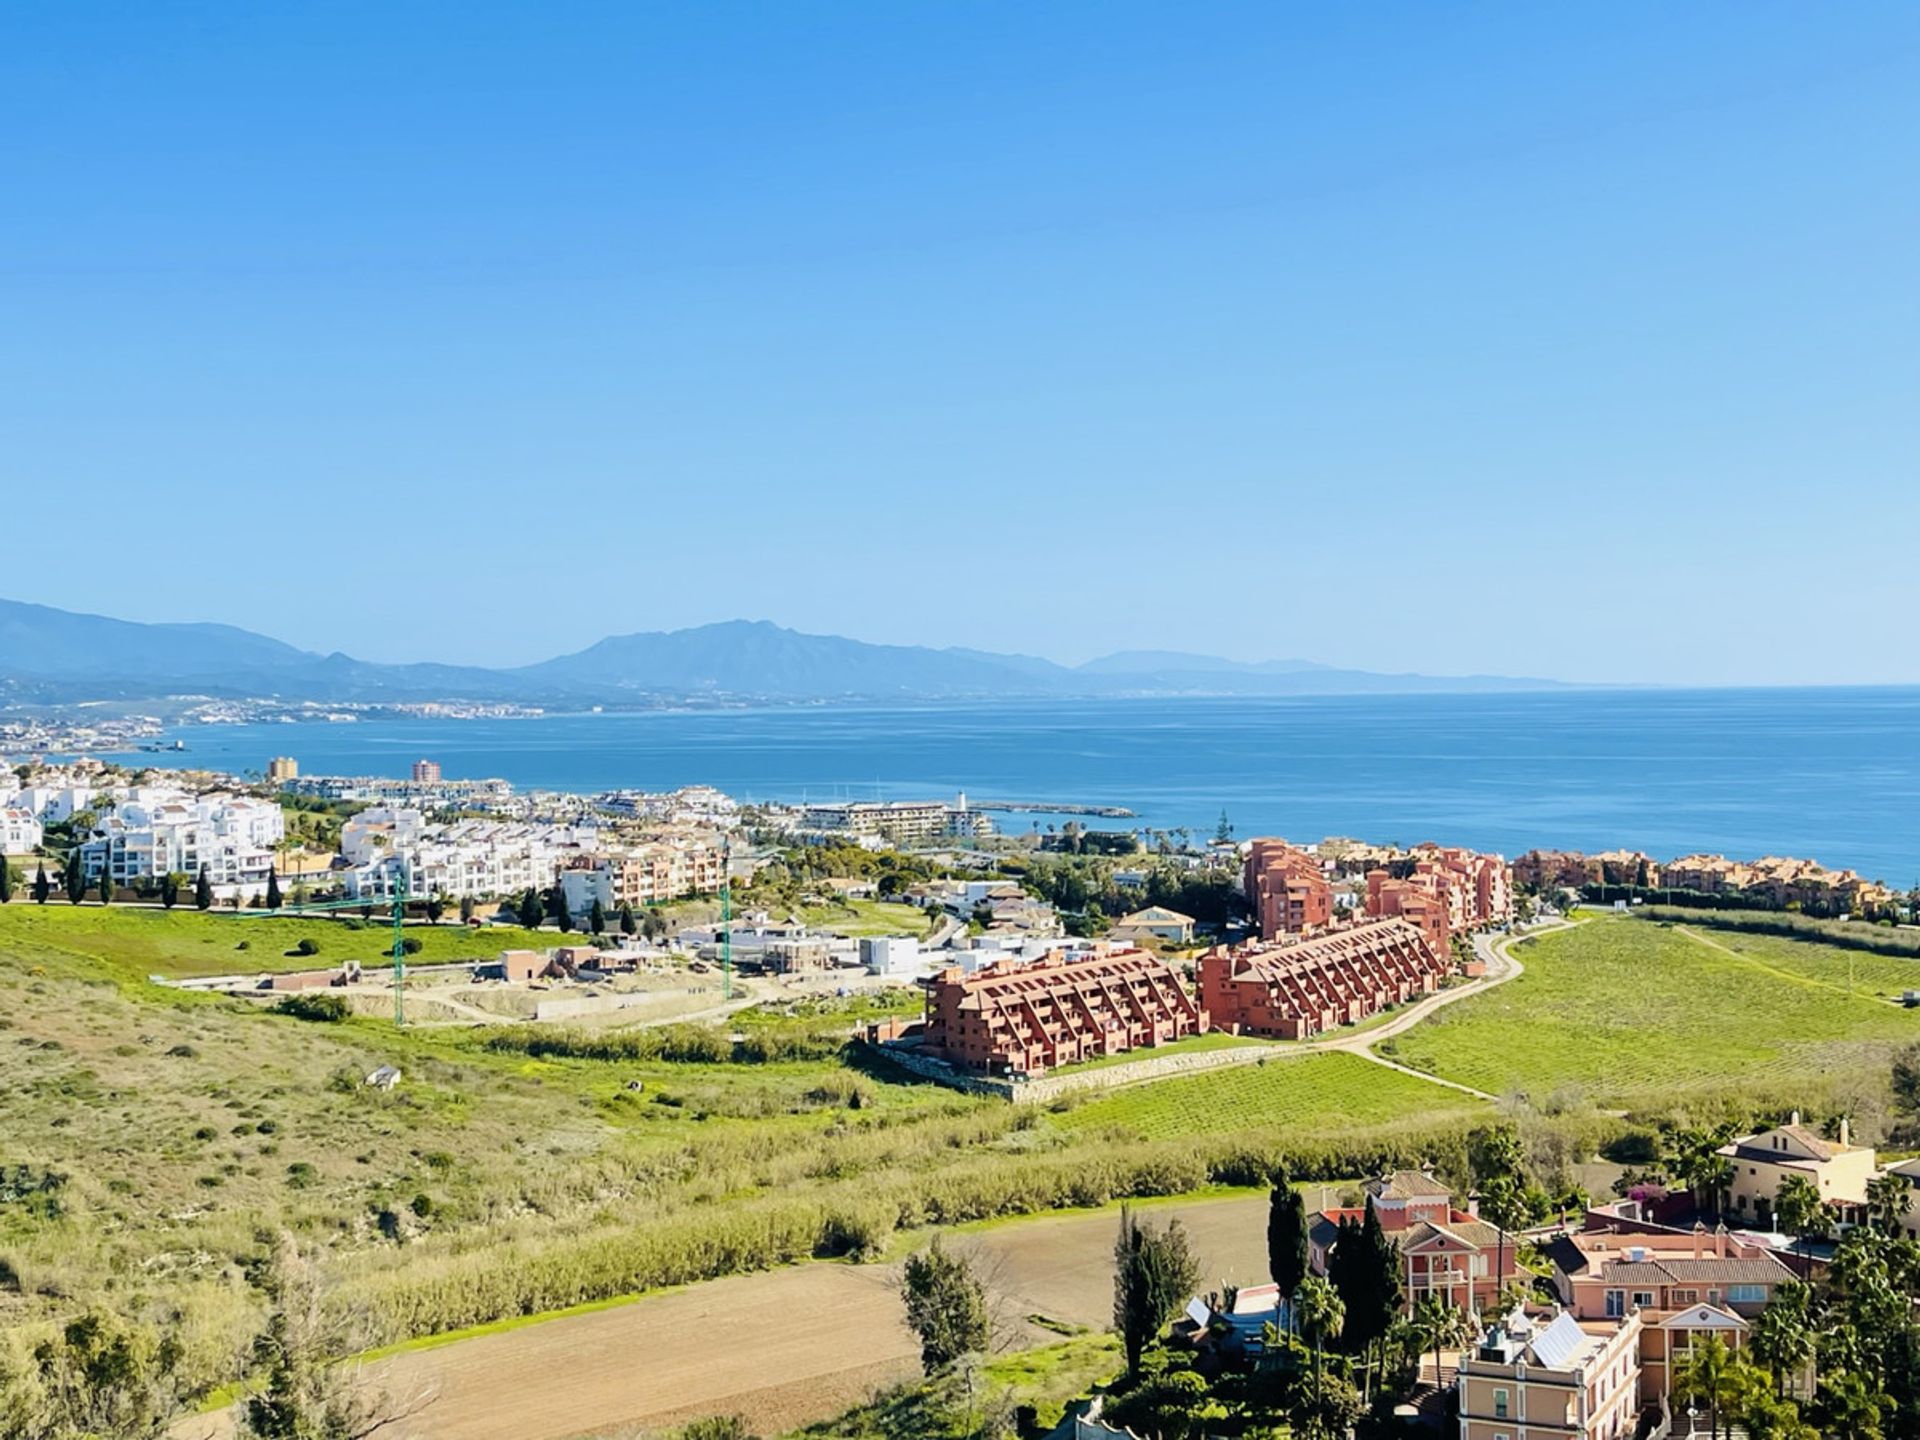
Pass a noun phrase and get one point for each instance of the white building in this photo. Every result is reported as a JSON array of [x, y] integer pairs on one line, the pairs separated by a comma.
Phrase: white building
[[891, 954], [20, 832], [230, 837], [470, 857]]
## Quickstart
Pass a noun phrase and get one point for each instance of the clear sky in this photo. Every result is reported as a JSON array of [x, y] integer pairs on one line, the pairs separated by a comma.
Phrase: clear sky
[[1542, 339]]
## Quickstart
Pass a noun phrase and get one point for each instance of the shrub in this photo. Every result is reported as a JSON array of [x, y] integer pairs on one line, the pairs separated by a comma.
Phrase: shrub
[[301, 1176], [329, 1009], [307, 945]]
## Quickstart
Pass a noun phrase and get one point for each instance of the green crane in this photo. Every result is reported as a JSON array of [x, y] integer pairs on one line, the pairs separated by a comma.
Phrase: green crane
[[312, 907], [726, 918]]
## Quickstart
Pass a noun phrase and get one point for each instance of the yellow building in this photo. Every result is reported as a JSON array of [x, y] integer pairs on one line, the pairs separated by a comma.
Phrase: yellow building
[[1566, 1377], [1838, 1168]]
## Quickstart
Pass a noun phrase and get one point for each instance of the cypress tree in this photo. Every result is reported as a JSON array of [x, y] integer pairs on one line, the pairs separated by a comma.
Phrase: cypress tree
[[203, 890], [6, 881], [273, 889], [169, 891], [74, 880], [597, 917], [628, 926], [557, 903], [106, 885], [42, 887], [1286, 1235]]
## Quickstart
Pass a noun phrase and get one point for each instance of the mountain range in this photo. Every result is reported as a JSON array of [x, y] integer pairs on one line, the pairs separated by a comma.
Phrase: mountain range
[[52, 656]]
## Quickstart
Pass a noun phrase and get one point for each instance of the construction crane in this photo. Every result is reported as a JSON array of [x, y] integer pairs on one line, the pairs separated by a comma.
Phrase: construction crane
[[314, 907], [726, 917]]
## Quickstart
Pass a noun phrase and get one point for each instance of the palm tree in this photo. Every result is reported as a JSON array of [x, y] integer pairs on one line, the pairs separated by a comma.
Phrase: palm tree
[[1799, 1210], [1889, 1198], [1322, 1314], [1783, 1336], [1710, 1374], [1438, 1324], [1851, 1409]]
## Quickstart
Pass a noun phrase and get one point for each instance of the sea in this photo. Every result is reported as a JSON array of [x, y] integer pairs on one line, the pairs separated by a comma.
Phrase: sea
[[1829, 773]]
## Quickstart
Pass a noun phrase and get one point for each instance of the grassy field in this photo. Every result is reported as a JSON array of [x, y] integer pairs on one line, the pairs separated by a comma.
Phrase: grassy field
[[1623, 1012], [1305, 1090], [855, 918], [137, 942], [1191, 1045]]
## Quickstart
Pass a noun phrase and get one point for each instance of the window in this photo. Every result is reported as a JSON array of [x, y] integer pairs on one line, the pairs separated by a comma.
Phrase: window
[[1643, 1299], [1616, 1304], [1500, 1411], [1747, 1294]]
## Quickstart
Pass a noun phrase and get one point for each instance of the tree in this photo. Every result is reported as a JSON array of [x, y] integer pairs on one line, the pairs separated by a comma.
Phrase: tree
[[1799, 1210], [1710, 1375], [597, 918], [74, 880], [946, 1307], [103, 1376], [1849, 1408], [1223, 832], [1889, 1198], [466, 909], [1154, 1271], [169, 890], [1438, 1324], [1375, 1290], [628, 926], [1906, 1080], [6, 881], [1783, 1335], [532, 910], [716, 1427], [1322, 1316], [1503, 1206], [106, 885], [305, 1393], [557, 907], [273, 889], [42, 886], [1326, 1411], [203, 890], [436, 907], [1286, 1235]]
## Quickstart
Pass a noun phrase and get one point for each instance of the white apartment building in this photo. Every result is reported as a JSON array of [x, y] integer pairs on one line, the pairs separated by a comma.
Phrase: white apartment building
[[231, 837], [20, 832], [470, 857]]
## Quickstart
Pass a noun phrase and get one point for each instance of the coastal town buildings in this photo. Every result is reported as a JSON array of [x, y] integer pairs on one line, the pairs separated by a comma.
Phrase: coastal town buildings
[[1449, 1253], [159, 831], [1294, 991], [1028, 1019], [1549, 1377], [1287, 889], [282, 768], [1837, 1168], [644, 873], [426, 772], [386, 847], [1156, 922], [895, 822], [20, 830], [1773, 882]]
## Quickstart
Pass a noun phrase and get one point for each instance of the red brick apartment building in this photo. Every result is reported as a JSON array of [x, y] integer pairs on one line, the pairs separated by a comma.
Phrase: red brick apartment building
[[1028, 1019], [1447, 893], [1298, 990], [1287, 888]]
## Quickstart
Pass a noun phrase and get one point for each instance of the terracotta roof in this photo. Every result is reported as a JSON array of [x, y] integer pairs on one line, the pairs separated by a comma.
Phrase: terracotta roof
[[1407, 1185], [1757, 1270]]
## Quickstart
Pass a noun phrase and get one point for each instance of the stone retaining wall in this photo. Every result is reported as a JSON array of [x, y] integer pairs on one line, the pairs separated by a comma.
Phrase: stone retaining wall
[[1105, 1077]]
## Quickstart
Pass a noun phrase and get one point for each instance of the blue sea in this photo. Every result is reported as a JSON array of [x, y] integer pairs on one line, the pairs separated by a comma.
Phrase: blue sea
[[1834, 774]]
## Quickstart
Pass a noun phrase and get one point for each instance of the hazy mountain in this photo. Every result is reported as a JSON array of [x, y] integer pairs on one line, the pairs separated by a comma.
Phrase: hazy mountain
[[56, 655]]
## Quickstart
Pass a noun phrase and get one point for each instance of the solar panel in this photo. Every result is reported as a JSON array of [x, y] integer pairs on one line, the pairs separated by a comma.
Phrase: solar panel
[[1556, 1346]]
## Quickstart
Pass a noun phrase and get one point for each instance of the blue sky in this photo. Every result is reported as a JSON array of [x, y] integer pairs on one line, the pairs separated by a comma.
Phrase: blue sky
[[1570, 340]]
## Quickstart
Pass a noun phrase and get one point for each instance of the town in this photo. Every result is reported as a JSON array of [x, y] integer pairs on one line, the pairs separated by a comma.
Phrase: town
[[1480, 1257]]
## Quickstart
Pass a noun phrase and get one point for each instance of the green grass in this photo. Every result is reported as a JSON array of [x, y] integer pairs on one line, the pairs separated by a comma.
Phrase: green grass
[[1625, 1013], [1861, 972], [855, 918], [184, 943], [1190, 1045], [1328, 1092]]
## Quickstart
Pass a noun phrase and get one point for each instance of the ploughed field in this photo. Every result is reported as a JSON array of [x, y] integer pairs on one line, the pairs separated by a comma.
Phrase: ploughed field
[[1626, 1013]]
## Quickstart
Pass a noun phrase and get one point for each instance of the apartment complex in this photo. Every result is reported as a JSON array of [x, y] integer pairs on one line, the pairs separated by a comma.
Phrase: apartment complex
[[1772, 881], [386, 847], [282, 768], [426, 772], [1444, 892], [643, 874], [1287, 888], [1448, 1252], [20, 831], [1293, 991], [1560, 1377], [1029, 1019], [157, 831], [897, 822]]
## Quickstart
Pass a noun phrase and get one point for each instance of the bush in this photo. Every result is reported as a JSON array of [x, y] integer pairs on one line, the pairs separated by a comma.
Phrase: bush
[[410, 945], [301, 1176], [328, 1009], [307, 946]]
